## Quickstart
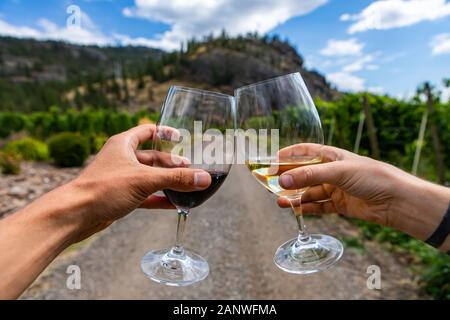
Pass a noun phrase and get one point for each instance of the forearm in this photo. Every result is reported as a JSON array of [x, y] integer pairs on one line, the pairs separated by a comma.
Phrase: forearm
[[422, 208], [31, 238]]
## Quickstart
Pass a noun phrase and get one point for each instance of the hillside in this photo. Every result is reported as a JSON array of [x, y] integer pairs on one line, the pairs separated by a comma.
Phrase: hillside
[[25, 60], [235, 62], [35, 75]]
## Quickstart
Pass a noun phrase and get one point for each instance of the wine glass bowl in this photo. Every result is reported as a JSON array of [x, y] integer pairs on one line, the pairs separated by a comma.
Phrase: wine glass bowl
[[283, 107]]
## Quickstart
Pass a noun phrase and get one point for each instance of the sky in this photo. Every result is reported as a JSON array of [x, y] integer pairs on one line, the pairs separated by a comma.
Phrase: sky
[[383, 46]]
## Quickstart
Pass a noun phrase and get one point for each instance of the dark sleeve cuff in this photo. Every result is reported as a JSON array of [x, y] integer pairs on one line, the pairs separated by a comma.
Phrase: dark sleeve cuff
[[441, 233]]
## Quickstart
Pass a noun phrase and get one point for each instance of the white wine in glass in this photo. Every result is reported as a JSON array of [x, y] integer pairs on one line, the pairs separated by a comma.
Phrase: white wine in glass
[[268, 170]]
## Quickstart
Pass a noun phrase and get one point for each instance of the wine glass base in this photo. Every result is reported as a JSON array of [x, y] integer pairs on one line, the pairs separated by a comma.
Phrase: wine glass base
[[319, 253], [174, 269]]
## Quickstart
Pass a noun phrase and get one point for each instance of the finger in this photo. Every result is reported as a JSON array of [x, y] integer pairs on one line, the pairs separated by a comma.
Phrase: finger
[[318, 207], [157, 202], [318, 193], [327, 153], [179, 179], [310, 207], [283, 202], [335, 173], [161, 159], [139, 134], [167, 133]]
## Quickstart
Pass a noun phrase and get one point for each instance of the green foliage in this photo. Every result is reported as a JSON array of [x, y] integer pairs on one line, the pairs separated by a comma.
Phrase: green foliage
[[354, 243], [11, 122], [28, 149], [9, 163], [97, 142], [51, 69], [436, 277], [69, 149], [118, 122], [432, 265], [88, 122]]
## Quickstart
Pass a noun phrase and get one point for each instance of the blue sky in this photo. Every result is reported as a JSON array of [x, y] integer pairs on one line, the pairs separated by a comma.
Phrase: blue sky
[[387, 46]]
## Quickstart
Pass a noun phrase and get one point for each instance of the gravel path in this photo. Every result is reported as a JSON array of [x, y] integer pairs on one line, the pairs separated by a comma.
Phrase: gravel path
[[237, 231]]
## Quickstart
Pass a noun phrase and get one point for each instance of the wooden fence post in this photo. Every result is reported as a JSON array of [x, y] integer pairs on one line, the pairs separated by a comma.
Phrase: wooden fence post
[[331, 132], [420, 139], [371, 130], [362, 118]]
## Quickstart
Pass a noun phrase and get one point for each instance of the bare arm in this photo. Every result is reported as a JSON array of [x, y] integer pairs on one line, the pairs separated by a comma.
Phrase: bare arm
[[119, 180]]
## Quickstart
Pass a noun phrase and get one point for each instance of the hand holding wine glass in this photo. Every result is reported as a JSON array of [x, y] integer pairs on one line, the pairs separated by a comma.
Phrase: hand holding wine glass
[[367, 189]]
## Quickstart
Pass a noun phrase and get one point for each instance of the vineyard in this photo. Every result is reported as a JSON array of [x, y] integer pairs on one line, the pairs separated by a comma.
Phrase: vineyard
[[412, 134], [396, 127]]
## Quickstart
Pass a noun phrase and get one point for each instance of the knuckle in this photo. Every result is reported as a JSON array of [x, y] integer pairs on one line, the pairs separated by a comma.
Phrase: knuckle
[[342, 174], [180, 178], [114, 139], [307, 175]]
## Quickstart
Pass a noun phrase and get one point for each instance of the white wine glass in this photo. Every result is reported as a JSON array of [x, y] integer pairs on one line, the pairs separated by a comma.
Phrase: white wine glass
[[283, 106]]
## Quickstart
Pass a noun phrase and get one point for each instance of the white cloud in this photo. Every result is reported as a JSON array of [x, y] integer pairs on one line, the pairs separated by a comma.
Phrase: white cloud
[[388, 14], [376, 90], [345, 17], [445, 94], [346, 81], [126, 40], [440, 44], [201, 17], [406, 95], [349, 57], [7, 29], [185, 18], [350, 47], [363, 63], [88, 33]]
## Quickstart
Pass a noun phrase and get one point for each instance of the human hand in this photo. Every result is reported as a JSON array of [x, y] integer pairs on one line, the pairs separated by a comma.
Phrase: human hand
[[122, 178], [363, 188]]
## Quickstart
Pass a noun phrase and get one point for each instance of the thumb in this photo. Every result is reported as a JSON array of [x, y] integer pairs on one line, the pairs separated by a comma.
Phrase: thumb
[[335, 173], [179, 179]]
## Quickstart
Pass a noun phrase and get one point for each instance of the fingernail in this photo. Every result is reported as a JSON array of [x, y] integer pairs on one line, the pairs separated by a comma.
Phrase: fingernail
[[201, 179], [286, 181]]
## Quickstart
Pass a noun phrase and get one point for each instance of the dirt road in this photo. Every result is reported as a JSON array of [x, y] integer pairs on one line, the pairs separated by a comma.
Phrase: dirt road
[[237, 231]]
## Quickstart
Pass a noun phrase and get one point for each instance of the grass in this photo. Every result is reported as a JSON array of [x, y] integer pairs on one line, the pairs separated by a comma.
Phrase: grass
[[431, 265], [353, 243]]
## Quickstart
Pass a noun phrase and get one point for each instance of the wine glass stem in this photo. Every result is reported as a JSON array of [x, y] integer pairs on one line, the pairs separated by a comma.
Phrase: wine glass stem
[[296, 205], [182, 217]]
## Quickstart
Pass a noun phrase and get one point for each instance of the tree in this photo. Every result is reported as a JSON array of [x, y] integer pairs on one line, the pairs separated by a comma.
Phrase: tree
[[431, 96], [115, 88], [371, 129], [78, 100], [446, 82], [141, 83], [126, 96]]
